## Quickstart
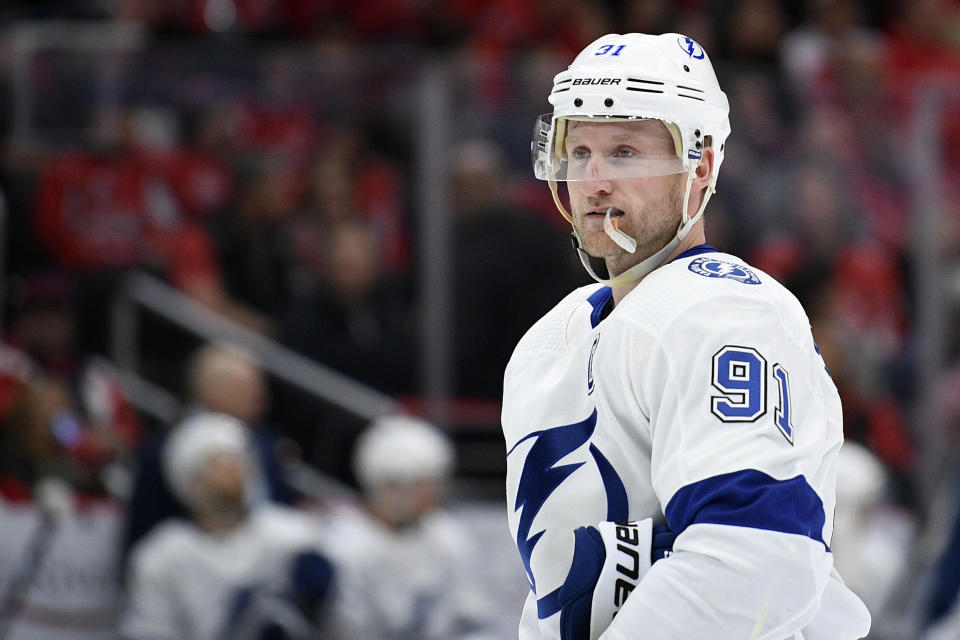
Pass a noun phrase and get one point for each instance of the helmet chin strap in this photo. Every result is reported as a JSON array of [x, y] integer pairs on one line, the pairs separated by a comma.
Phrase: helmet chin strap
[[638, 271], [610, 227]]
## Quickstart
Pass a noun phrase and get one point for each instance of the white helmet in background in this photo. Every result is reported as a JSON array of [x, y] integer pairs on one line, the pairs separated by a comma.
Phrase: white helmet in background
[[636, 76], [861, 477], [401, 449], [194, 442]]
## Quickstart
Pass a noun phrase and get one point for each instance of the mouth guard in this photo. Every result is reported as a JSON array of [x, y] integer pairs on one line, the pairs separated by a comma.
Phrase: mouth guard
[[624, 241]]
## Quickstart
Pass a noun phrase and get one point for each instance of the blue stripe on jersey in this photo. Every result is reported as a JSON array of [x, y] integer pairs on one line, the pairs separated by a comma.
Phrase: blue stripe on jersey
[[695, 251], [542, 475], [598, 300], [618, 508], [749, 498], [548, 604]]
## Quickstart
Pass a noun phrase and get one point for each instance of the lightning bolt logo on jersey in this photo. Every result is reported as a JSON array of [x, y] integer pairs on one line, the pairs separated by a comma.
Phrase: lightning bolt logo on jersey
[[712, 268], [542, 475]]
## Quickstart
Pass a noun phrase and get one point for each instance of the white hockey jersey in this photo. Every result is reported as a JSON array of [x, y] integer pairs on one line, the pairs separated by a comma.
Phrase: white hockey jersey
[[74, 593], [183, 581], [700, 400], [414, 583]]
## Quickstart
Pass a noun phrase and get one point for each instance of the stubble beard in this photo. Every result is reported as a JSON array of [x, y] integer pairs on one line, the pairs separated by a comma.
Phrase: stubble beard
[[650, 228]]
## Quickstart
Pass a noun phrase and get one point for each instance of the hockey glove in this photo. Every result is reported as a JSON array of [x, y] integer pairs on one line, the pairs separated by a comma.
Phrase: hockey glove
[[608, 562]]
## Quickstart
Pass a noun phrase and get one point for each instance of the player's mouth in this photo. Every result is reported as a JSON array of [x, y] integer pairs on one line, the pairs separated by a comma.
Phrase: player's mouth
[[601, 212]]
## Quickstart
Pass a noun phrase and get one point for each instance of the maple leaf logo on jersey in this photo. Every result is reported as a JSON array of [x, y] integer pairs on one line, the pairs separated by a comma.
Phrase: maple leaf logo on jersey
[[541, 477]]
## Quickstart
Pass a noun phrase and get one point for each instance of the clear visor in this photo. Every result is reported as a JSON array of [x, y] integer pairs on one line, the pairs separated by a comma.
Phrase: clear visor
[[608, 148]]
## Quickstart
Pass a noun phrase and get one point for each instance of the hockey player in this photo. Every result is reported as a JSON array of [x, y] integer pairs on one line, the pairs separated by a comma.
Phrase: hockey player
[[238, 569], [682, 396], [404, 562]]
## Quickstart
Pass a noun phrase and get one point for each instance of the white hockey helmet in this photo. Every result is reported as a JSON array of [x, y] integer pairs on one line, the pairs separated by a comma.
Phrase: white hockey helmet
[[635, 76], [193, 442], [399, 448]]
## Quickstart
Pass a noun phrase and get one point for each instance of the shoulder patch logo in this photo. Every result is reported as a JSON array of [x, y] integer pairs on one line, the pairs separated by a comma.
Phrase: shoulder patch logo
[[714, 268]]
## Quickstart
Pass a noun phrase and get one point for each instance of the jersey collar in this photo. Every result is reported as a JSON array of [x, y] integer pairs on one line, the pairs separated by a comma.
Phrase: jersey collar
[[695, 251], [602, 298]]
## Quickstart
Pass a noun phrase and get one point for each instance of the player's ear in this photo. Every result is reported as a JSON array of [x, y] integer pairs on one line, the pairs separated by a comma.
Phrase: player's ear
[[704, 170]]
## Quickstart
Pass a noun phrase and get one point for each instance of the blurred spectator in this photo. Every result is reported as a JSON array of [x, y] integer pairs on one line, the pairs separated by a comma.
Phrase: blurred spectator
[[236, 569], [857, 317], [822, 214], [509, 268], [276, 125], [252, 238], [865, 158], [59, 560], [760, 116], [753, 200], [225, 379], [355, 317], [359, 322], [652, 16], [37, 432], [349, 181], [921, 58], [404, 562], [866, 310], [43, 325], [182, 180], [221, 379], [100, 213], [818, 55], [816, 222], [42, 320], [752, 29]]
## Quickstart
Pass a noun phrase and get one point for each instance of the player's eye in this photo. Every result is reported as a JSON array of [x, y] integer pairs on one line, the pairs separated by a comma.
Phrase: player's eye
[[580, 153], [624, 153]]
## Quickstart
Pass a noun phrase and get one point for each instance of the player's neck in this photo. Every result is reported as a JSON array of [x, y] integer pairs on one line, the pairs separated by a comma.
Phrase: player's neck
[[219, 522], [694, 238]]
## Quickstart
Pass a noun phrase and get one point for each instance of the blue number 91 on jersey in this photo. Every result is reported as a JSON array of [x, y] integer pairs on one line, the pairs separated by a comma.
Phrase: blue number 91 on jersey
[[740, 374]]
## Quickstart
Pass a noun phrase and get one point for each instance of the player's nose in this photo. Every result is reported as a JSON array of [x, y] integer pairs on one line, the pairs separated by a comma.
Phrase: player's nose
[[598, 187], [595, 173]]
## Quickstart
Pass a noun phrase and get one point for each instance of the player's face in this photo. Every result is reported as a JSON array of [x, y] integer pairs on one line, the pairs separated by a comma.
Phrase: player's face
[[219, 491], [402, 503], [647, 209]]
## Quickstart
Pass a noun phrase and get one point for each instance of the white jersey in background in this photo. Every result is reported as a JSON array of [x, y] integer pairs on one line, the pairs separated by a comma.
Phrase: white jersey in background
[[701, 401], [186, 583], [60, 578], [413, 583]]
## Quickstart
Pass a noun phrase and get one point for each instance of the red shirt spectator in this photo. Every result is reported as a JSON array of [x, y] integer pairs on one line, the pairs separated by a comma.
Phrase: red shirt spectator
[[95, 212]]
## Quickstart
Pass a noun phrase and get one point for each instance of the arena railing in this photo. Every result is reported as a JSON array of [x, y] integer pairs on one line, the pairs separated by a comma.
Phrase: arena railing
[[143, 292]]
